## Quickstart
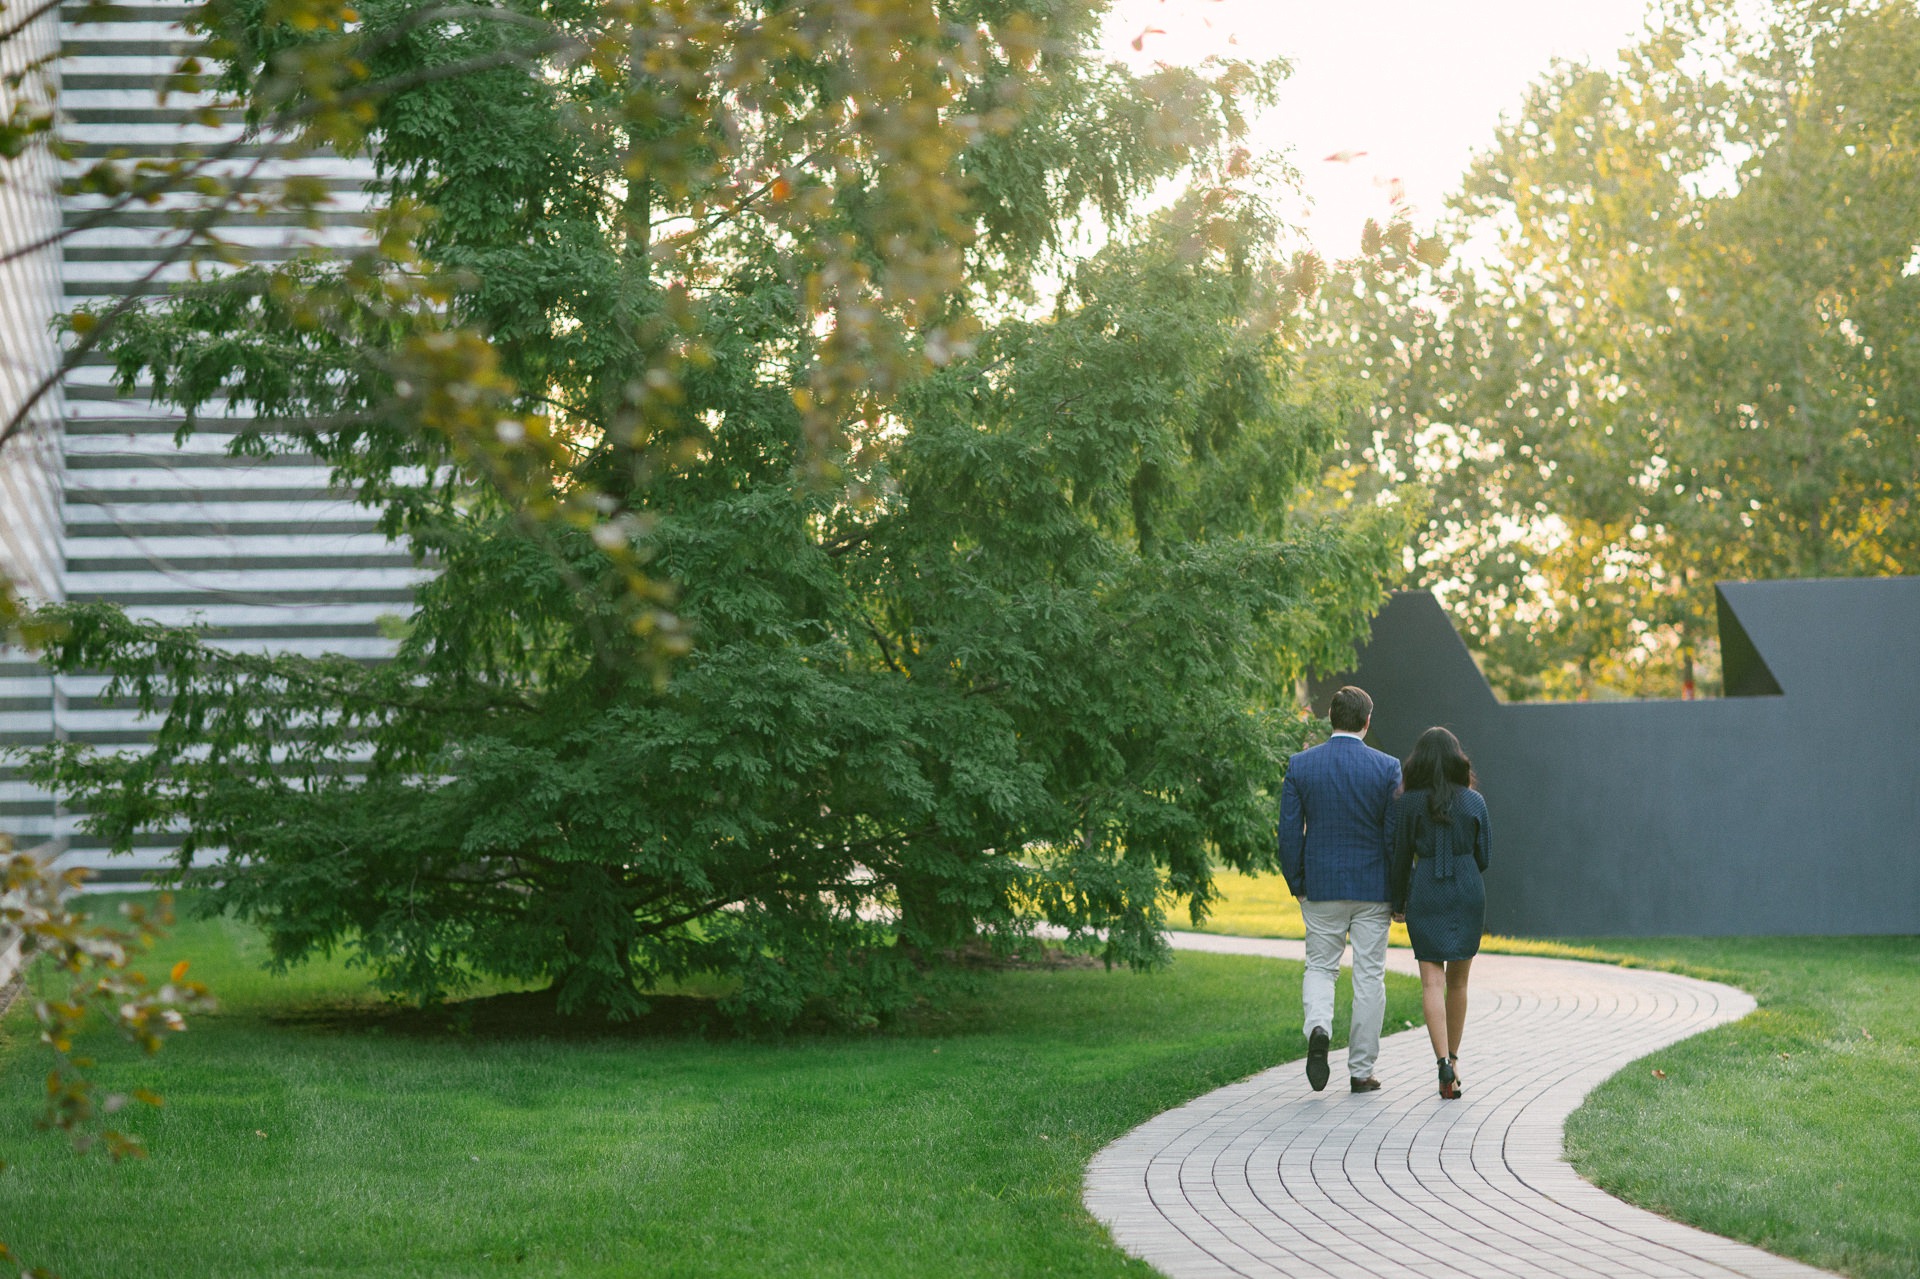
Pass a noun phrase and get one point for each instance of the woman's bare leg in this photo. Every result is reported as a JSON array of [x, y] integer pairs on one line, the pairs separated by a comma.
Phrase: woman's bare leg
[[1456, 982], [1435, 1001]]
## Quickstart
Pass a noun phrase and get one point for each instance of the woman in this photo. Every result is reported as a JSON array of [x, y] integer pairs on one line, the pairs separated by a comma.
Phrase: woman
[[1440, 848]]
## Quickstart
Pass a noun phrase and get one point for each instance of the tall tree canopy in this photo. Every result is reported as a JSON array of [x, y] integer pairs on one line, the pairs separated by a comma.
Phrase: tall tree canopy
[[1680, 342], [1014, 640]]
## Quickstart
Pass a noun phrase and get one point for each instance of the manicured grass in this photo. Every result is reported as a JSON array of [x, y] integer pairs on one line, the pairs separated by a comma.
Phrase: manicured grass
[[1251, 906], [309, 1131], [307, 1134], [1797, 1129]]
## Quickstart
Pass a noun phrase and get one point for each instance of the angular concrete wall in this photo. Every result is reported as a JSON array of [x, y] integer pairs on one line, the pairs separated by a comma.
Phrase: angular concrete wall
[[1777, 813]]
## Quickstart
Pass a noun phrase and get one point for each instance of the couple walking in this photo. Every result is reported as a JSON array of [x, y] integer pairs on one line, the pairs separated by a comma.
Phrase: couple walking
[[1366, 839]]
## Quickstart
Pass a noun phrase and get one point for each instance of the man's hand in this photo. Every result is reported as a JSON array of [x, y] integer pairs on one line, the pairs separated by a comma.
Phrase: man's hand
[[1400, 917]]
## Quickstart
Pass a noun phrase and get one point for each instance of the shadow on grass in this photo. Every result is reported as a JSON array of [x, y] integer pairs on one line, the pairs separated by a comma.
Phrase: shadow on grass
[[523, 1014], [535, 1014]]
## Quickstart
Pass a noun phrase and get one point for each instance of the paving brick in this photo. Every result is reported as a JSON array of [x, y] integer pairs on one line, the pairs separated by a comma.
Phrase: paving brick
[[1267, 1178]]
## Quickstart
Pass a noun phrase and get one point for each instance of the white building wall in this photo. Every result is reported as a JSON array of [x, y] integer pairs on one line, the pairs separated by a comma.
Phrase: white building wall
[[260, 550], [30, 471]]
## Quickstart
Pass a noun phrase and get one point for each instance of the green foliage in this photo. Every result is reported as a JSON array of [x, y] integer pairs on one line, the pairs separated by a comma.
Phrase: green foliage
[[93, 960], [1681, 344], [1036, 652]]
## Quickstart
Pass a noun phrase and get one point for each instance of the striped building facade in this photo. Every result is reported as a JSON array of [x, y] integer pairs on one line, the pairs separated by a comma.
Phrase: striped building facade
[[259, 549], [31, 522]]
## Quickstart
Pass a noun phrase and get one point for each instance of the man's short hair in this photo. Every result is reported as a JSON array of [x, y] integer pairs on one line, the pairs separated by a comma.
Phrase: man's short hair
[[1351, 710]]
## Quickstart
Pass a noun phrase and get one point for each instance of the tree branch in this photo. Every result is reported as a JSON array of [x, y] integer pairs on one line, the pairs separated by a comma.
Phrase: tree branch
[[847, 541], [34, 15], [886, 649], [69, 361]]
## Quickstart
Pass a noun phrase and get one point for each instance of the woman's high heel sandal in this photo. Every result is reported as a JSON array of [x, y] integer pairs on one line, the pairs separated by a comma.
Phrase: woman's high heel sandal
[[1459, 1084], [1449, 1086]]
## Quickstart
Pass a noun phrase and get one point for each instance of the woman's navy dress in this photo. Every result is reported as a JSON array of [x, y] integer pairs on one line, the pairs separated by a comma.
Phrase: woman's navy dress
[[1436, 874]]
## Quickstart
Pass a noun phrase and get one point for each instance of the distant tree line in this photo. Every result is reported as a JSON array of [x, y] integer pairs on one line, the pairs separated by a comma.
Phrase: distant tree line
[[1678, 340]]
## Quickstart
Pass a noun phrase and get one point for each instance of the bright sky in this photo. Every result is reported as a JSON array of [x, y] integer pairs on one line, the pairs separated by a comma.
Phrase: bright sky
[[1418, 85]]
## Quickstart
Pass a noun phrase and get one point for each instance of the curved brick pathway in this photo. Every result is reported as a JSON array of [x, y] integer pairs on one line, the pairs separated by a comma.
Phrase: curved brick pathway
[[1267, 1178]]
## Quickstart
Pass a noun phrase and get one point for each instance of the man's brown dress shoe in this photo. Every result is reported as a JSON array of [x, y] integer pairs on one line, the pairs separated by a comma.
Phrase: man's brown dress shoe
[[1368, 1084]]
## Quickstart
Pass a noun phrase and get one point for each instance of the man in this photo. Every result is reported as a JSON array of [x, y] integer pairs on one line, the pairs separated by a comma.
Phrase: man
[[1335, 809]]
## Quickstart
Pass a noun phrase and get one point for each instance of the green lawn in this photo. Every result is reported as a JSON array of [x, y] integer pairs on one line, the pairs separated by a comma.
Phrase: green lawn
[[1255, 906], [305, 1133], [1797, 1129], [309, 1131]]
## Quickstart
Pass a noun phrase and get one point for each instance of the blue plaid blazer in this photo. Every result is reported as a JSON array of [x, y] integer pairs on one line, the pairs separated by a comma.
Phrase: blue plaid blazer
[[1336, 810]]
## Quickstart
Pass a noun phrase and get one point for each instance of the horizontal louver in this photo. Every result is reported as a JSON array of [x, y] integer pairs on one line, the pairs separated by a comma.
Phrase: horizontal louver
[[260, 550]]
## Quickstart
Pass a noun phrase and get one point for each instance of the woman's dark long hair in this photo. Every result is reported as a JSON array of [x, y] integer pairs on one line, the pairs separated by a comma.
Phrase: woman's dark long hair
[[1439, 767]]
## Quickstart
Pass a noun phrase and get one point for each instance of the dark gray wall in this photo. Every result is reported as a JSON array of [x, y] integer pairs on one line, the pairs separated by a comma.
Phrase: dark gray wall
[[1769, 813]]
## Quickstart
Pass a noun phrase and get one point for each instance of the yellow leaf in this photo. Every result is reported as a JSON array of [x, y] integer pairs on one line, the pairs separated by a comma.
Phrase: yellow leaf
[[180, 970]]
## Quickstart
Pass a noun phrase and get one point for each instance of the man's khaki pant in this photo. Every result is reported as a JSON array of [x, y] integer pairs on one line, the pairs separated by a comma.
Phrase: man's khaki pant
[[1329, 924]]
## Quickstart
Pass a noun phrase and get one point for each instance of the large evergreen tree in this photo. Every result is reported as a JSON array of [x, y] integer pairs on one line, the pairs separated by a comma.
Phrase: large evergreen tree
[[1013, 641]]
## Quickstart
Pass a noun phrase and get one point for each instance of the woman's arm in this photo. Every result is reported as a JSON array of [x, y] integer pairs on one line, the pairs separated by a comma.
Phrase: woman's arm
[[1400, 870], [1482, 837]]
